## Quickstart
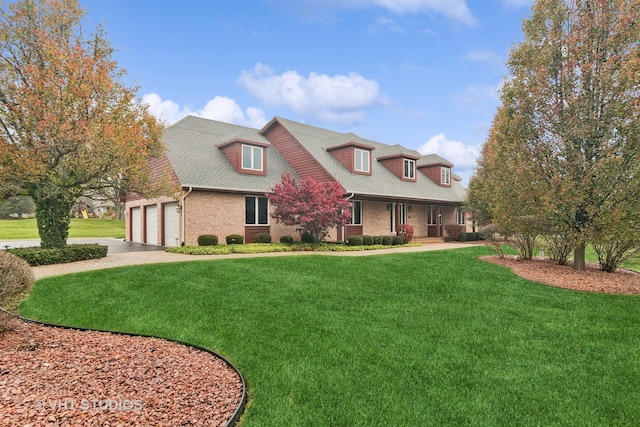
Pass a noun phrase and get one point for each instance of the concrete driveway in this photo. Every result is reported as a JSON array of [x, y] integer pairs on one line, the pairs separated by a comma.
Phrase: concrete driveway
[[116, 246]]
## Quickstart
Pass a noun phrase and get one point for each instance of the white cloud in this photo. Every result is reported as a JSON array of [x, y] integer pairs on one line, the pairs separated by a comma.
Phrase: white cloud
[[464, 157], [219, 108], [487, 56], [455, 10], [479, 98], [387, 24], [516, 3], [336, 99]]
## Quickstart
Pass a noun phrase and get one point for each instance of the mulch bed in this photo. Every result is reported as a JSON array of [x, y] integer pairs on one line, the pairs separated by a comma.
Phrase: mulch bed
[[53, 376]]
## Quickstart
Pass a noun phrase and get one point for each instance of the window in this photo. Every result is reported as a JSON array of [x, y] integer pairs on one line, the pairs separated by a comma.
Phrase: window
[[356, 212], [432, 215], [402, 211], [445, 176], [409, 169], [361, 160], [251, 157], [460, 215], [256, 210]]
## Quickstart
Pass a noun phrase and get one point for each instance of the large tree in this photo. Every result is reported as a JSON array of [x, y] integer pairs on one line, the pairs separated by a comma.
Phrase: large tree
[[565, 144], [67, 122], [314, 207]]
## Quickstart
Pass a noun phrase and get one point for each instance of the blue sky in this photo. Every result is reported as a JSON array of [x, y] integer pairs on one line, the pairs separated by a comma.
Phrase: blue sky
[[420, 73]]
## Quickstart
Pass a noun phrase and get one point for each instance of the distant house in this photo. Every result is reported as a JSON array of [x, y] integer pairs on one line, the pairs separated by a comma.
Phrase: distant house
[[225, 170]]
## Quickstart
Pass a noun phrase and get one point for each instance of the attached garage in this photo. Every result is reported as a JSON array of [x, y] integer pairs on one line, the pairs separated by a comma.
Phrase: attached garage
[[151, 224], [171, 225], [136, 225]]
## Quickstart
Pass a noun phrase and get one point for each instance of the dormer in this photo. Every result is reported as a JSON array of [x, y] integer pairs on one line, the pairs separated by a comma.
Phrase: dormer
[[355, 156], [437, 169], [401, 162], [246, 157]]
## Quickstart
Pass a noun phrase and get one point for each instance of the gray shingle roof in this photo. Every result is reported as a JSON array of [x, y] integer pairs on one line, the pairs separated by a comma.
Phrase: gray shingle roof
[[382, 181], [191, 149], [197, 162]]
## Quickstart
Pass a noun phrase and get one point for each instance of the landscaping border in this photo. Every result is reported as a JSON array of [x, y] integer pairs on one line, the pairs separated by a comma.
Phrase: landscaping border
[[243, 399]]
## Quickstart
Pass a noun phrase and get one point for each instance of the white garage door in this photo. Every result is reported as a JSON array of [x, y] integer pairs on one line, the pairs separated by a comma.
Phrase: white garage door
[[136, 226], [171, 225], [152, 224]]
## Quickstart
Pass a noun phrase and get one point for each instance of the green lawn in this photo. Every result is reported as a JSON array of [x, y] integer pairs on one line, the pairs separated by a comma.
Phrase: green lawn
[[428, 338], [27, 229]]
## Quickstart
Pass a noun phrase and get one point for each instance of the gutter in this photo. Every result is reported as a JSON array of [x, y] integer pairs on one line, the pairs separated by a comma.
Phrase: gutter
[[183, 214], [343, 227]]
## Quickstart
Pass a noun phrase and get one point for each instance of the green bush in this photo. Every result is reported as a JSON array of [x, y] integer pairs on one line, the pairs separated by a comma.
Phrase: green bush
[[452, 232], [263, 238], [286, 239], [387, 240], [462, 237], [377, 240], [16, 278], [70, 253], [354, 240], [307, 237], [397, 240], [367, 240], [207, 240], [234, 239]]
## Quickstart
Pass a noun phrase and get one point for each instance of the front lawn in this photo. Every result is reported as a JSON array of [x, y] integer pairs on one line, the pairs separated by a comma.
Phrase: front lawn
[[25, 229], [425, 338]]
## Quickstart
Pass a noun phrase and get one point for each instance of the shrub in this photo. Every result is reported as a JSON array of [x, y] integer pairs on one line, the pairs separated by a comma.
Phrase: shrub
[[367, 240], [16, 278], [452, 231], [406, 233], [396, 240], [263, 238], [354, 240], [377, 240], [492, 234], [307, 237], [558, 247], [524, 243], [207, 240], [462, 237], [387, 240], [611, 252], [286, 239], [78, 252], [235, 239]]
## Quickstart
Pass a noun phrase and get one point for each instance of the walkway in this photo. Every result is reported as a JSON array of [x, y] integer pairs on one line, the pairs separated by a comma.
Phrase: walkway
[[126, 253]]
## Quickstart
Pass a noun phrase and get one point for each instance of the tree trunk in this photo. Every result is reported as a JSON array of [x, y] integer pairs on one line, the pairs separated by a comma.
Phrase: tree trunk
[[579, 257], [53, 214]]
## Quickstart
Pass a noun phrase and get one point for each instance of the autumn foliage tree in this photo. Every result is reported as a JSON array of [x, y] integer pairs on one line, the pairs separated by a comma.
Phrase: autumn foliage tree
[[565, 144], [67, 122], [314, 207]]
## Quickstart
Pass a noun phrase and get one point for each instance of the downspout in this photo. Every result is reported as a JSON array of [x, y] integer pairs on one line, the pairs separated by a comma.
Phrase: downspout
[[344, 230], [183, 214]]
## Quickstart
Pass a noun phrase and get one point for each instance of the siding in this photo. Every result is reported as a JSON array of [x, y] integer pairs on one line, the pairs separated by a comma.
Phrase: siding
[[433, 172], [295, 154]]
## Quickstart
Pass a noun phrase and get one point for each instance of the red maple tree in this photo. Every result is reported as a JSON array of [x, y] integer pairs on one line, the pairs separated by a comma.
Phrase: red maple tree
[[314, 207]]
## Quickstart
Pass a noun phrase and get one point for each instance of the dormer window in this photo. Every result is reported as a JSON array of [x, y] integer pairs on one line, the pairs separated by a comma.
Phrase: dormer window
[[252, 157], [361, 160], [445, 176], [409, 169]]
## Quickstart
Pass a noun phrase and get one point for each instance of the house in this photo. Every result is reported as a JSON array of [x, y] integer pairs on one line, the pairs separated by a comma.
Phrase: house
[[225, 170]]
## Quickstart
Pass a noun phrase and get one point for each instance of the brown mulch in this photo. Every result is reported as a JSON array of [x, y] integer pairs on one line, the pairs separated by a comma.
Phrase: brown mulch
[[564, 276], [52, 376]]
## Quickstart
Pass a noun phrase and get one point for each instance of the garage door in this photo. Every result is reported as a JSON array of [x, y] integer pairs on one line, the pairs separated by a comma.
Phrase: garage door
[[151, 222], [171, 219], [136, 226]]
